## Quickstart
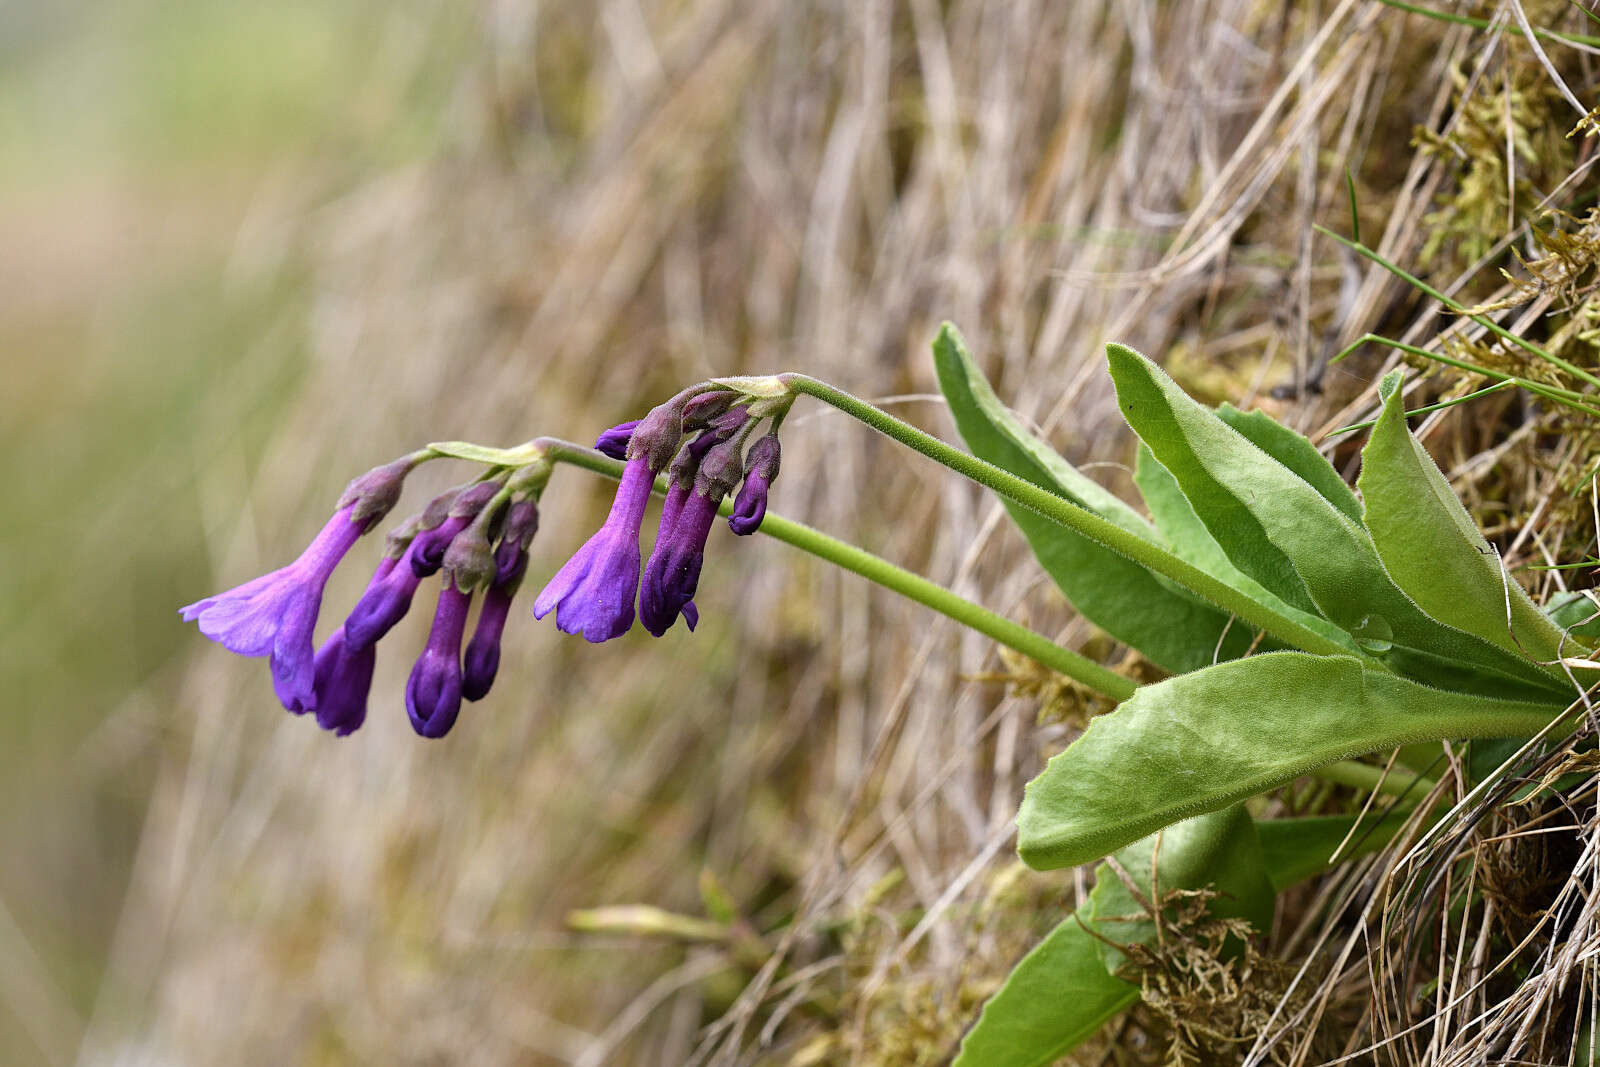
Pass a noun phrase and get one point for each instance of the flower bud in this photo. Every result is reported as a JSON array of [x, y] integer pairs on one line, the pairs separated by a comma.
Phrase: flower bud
[[344, 678], [720, 471], [469, 562], [658, 435], [760, 468], [511, 554], [614, 442], [433, 692], [702, 408], [427, 551]]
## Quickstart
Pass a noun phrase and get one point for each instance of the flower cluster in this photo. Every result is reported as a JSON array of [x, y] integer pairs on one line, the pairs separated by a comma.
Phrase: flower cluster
[[476, 538], [476, 535], [698, 439]]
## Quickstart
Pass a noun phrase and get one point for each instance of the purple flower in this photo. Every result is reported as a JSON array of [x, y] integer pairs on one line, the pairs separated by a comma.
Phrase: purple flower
[[427, 552], [274, 615], [433, 692], [593, 592], [344, 677], [614, 442], [673, 572], [385, 602], [760, 469], [482, 660]]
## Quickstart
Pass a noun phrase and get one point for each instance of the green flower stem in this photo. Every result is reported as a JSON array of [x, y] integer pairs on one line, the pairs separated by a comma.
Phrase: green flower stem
[[896, 579], [1071, 516]]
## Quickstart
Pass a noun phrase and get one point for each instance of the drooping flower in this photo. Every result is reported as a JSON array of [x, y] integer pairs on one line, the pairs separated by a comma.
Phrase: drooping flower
[[673, 572], [433, 692], [481, 662], [385, 602], [343, 680], [760, 470], [344, 672], [274, 615], [593, 593]]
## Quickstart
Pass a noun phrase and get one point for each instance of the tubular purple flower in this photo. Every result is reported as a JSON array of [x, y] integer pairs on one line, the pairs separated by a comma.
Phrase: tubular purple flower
[[760, 470], [593, 592], [673, 572], [344, 677], [433, 692], [511, 554], [385, 602], [481, 662], [614, 442], [274, 615]]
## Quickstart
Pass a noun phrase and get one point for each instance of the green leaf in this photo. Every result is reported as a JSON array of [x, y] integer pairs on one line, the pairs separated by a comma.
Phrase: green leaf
[[1283, 533], [1189, 539], [1297, 849], [1063, 991], [520, 456], [1430, 545], [1175, 630], [1219, 850], [1575, 614], [1202, 741], [1056, 997], [1295, 452]]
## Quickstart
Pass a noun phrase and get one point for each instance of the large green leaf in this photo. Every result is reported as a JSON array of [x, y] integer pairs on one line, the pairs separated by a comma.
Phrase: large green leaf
[[1286, 535], [1432, 548], [1191, 541], [1204, 740], [1294, 451], [1175, 630], [1064, 990]]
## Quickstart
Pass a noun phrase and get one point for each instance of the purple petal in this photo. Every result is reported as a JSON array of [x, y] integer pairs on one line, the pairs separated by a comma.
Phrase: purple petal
[[674, 569], [593, 592], [614, 442], [343, 680], [433, 692]]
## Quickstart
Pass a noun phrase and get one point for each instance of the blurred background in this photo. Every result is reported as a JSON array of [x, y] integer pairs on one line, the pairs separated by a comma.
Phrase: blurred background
[[252, 249]]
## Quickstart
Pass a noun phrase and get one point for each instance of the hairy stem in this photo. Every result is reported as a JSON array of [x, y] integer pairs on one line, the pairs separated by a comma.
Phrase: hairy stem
[[894, 578], [1073, 517]]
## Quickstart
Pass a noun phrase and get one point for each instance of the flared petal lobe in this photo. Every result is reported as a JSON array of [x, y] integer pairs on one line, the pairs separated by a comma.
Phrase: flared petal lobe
[[274, 615]]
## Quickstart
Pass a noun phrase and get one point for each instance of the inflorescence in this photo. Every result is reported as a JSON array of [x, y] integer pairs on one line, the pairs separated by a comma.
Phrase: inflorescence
[[476, 538]]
